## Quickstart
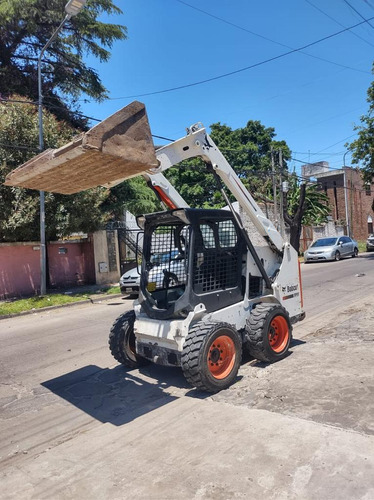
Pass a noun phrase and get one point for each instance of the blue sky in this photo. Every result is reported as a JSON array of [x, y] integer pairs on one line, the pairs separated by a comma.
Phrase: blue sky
[[312, 103]]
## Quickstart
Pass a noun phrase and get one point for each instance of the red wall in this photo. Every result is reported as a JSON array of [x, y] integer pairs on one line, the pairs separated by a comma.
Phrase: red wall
[[20, 267], [74, 268]]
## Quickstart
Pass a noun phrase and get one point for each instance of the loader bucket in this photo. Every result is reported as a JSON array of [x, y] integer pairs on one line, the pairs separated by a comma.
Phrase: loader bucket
[[116, 149]]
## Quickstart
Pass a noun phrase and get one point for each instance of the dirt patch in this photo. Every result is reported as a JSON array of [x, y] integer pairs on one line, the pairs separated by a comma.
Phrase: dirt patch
[[329, 378]]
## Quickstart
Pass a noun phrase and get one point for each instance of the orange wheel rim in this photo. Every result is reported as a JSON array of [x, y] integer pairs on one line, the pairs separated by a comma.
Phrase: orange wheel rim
[[278, 334], [221, 357]]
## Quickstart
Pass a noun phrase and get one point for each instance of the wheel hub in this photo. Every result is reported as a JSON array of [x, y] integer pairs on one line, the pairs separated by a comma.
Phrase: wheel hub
[[278, 334], [221, 357], [273, 335]]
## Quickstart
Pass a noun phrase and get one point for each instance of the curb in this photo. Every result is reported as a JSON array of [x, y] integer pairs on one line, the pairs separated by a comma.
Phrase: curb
[[102, 298]]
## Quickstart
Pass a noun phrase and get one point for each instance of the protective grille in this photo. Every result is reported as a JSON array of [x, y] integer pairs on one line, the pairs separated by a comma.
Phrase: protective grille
[[255, 286], [216, 259], [166, 265]]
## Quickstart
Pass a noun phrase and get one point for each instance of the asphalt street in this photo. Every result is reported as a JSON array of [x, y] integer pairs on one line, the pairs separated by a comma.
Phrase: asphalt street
[[331, 284], [75, 424]]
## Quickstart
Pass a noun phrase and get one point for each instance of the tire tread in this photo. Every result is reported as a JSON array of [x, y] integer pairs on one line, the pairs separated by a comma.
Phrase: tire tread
[[255, 331], [191, 351]]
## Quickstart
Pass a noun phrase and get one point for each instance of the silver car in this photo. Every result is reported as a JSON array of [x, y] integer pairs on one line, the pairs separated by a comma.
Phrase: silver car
[[331, 249], [370, 243]]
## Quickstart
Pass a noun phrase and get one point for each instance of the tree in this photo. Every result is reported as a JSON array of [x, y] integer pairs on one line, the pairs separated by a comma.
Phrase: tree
[[363, 147], [25, 27], [247, 150], [303, 204], [86, 211]]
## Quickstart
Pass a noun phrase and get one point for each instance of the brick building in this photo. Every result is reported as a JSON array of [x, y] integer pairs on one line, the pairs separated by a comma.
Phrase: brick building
[[350, 200]]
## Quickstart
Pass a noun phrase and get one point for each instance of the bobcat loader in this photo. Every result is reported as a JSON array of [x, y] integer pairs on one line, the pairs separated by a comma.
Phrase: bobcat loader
[[206, 291]]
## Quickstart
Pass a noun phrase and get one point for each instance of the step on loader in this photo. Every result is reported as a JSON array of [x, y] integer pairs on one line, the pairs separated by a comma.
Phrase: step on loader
[[206, 291]]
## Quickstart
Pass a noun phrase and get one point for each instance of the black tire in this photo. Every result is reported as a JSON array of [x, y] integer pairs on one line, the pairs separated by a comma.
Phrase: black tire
[[211, 356], [122, 341], [268, 332], [355, 252], [337, 255]]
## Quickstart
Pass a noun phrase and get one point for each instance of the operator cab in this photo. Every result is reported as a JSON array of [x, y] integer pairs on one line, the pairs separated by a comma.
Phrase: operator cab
[[190, 257]]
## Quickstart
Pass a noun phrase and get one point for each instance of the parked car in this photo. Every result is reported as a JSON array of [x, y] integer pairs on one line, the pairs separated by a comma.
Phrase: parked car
[[168, 273], [370, 243], [130, 281], [331, 249], [169, 261], [163, 257]]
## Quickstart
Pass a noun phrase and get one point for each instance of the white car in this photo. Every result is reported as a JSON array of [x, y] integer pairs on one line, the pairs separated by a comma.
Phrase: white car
[[130, 281], [167, 274]]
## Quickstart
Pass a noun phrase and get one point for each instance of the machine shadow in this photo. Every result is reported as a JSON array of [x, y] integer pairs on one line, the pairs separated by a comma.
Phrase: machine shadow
[[118, 396]]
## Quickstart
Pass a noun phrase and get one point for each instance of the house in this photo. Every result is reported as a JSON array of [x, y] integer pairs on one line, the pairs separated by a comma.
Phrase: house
[[351, 200]]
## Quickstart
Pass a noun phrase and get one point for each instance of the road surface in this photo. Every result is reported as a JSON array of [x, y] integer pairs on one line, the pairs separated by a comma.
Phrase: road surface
[[74, 424]]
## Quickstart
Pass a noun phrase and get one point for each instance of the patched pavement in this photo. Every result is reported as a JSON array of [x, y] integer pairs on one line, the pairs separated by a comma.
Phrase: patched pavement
[[299, 428]]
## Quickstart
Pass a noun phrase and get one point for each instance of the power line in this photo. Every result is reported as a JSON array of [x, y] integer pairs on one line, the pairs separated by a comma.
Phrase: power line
[[54, 106], [19, 146], [167, 138], [258, 34], [255, 65], [311, 153], [358, 13], [337, 22]]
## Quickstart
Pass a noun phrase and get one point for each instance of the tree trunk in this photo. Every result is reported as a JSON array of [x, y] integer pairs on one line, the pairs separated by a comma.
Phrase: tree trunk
[[294, 222], [295, 232]]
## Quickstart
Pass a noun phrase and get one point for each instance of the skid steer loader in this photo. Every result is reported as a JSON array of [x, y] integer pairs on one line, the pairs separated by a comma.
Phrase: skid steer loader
[[206, 291]]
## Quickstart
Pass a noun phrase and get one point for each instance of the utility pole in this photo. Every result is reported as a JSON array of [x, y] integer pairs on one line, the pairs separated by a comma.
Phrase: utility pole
[[274, 178], [72, 8], [281, 217]]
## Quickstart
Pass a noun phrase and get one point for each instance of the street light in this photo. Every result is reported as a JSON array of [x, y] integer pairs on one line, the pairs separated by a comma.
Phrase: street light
[[72, 8]]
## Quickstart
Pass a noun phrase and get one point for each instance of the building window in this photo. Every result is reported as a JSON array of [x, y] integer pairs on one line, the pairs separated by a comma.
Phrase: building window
[[367, 189]]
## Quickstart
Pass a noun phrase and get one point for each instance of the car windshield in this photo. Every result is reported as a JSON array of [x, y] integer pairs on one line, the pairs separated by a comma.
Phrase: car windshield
[[324, 242]]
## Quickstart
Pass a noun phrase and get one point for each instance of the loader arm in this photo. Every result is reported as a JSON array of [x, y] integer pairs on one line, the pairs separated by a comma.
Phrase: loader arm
[[199, 144], [163, 189]]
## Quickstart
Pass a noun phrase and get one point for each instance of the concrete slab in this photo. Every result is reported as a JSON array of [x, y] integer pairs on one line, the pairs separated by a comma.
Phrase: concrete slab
[[199, 449]]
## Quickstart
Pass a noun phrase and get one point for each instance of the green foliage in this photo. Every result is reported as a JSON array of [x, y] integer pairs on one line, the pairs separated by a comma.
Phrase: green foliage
[[52, 299], [22, 305], [316, 205], [133, 195], [247, 150], [363, 147], [65, 214], [26, 26]]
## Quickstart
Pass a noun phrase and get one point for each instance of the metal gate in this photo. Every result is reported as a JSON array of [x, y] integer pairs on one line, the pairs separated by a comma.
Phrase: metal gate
[[127, 244]]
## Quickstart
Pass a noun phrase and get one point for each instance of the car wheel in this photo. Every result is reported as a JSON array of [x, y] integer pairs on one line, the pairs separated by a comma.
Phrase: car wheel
[[355, 252], [337, 255]]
